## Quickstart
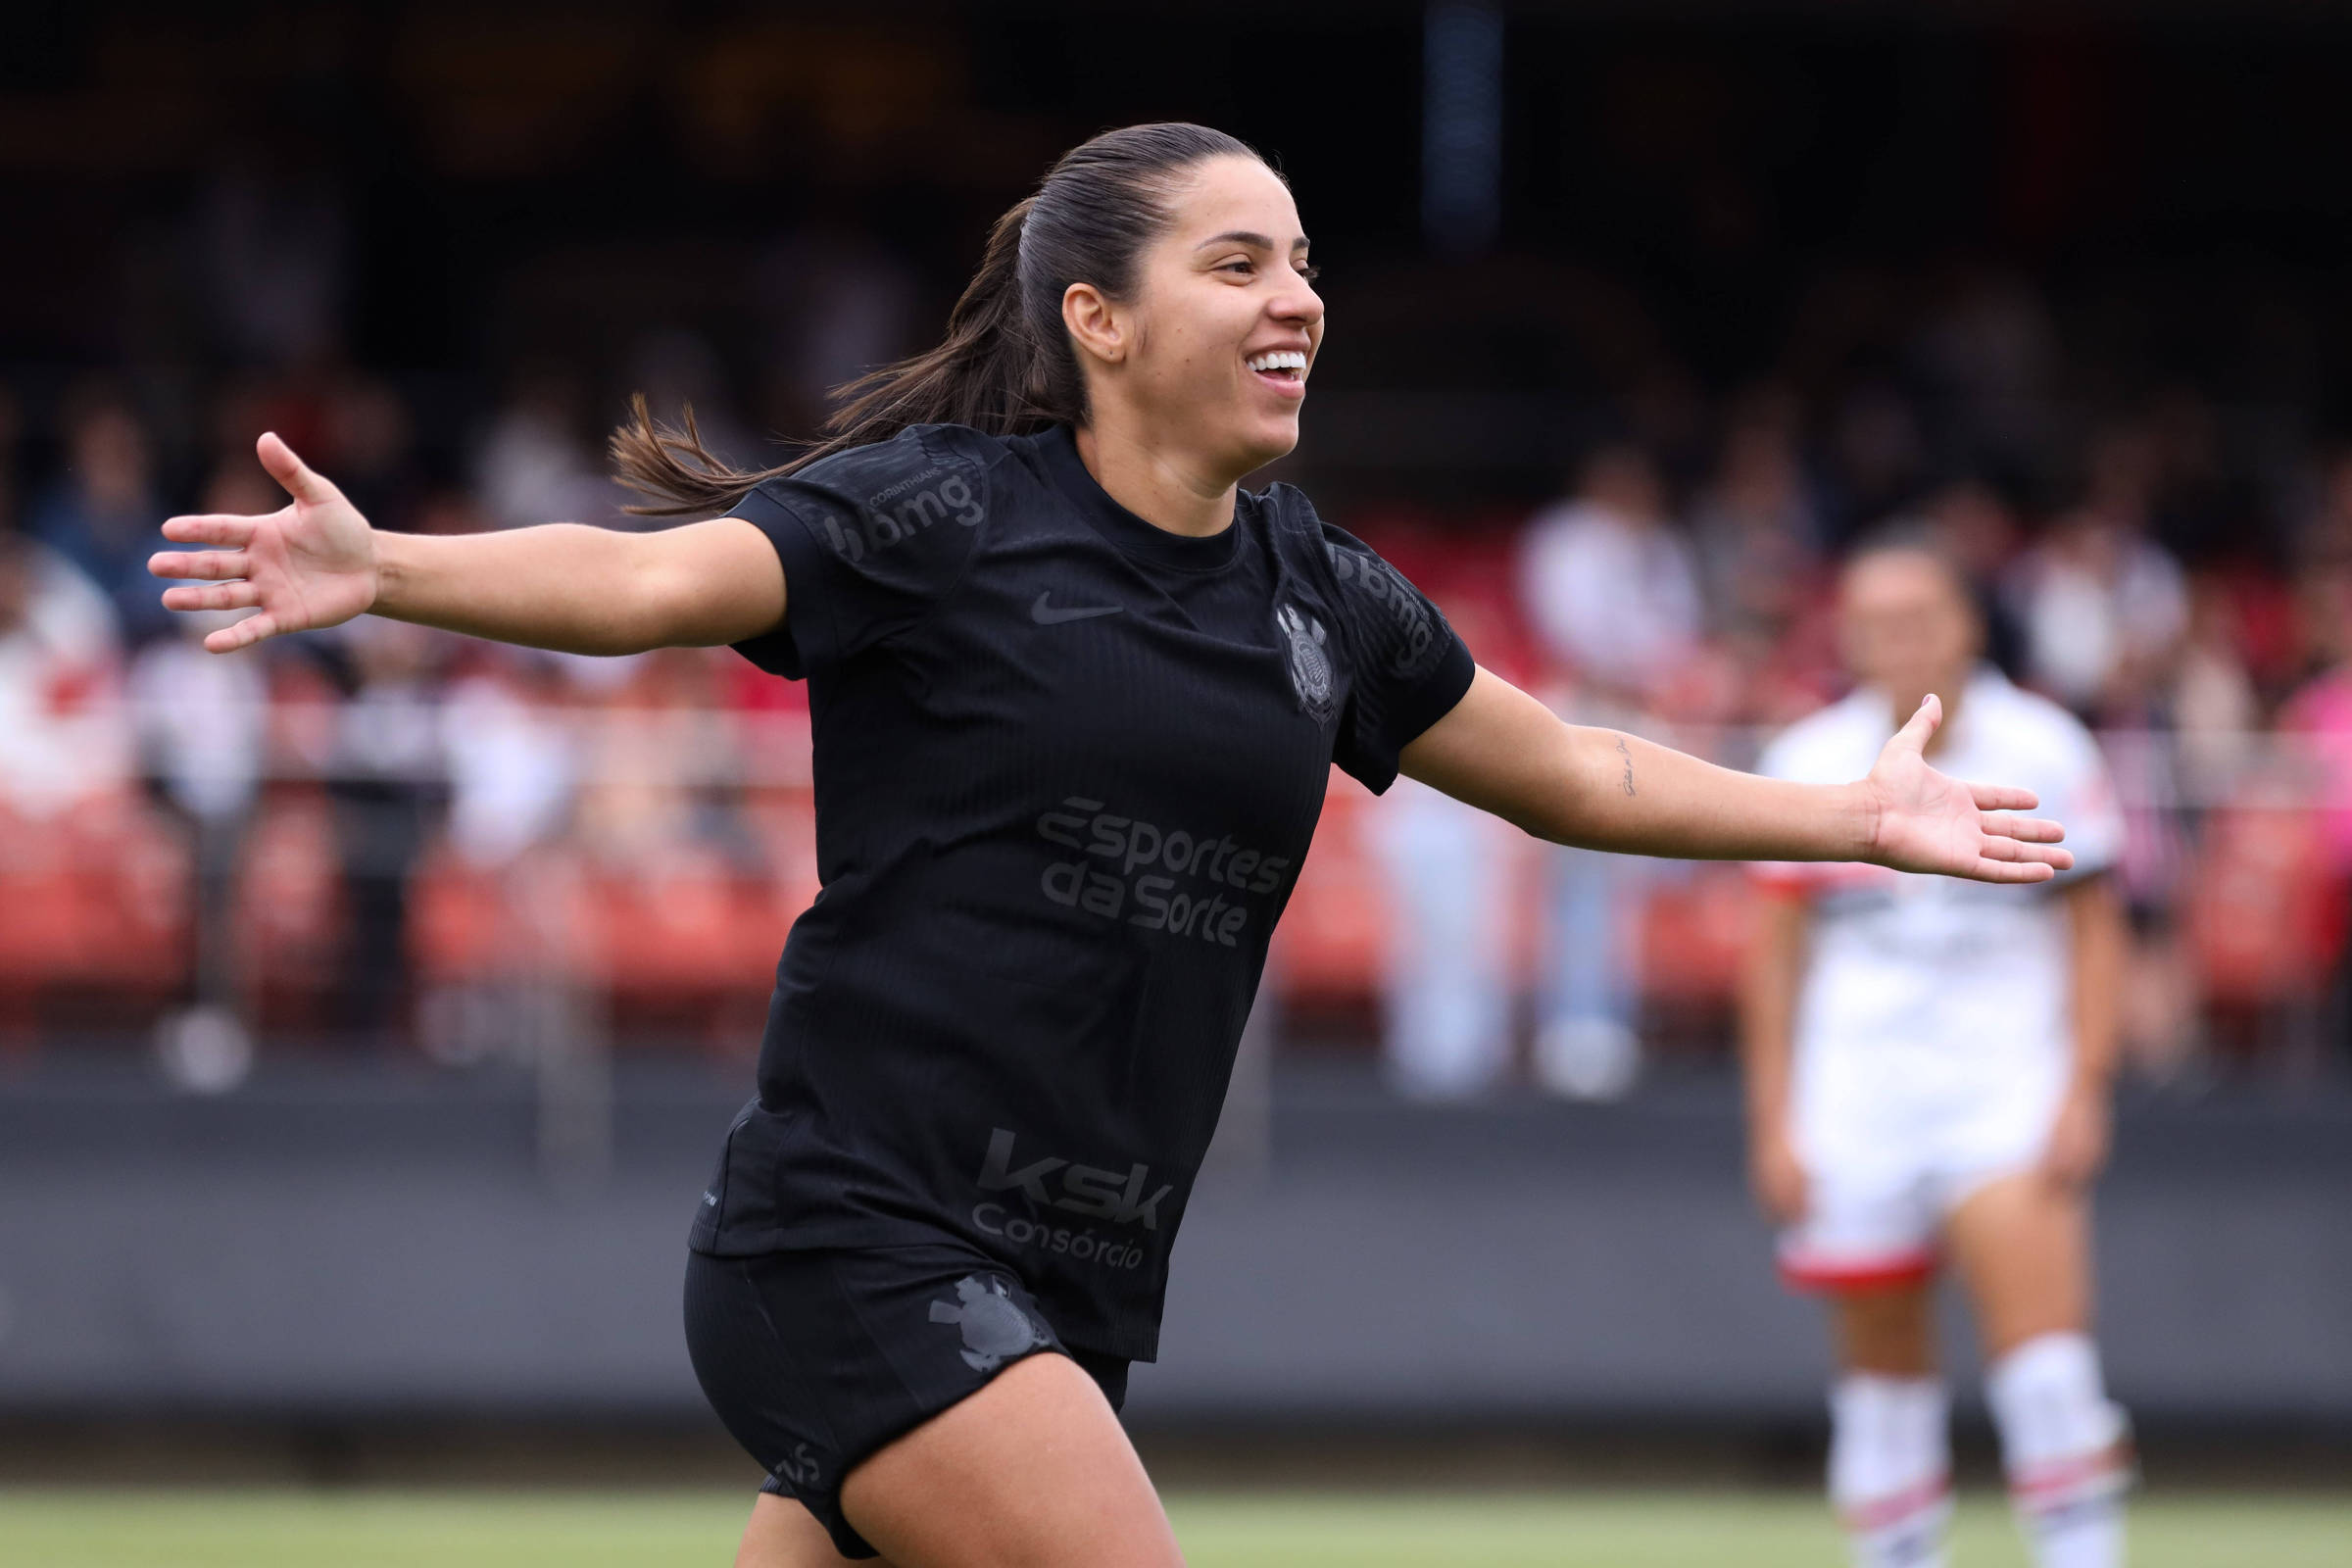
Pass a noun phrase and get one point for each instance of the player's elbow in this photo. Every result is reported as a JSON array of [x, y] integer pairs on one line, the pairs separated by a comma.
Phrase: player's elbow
[[664, 604], [703, 585]]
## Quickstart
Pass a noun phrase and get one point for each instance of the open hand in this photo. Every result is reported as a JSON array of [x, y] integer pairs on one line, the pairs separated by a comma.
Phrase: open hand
[[311, 564], [1928, 822]]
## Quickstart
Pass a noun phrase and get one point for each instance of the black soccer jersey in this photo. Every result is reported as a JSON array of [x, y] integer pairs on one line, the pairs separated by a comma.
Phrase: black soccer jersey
[[1067, 765]]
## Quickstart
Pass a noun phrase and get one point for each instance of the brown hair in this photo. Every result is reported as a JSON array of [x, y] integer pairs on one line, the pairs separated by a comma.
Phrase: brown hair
[[1006, 365]]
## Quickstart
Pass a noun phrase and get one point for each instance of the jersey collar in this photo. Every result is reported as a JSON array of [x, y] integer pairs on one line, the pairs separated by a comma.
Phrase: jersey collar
[[1058, 447]]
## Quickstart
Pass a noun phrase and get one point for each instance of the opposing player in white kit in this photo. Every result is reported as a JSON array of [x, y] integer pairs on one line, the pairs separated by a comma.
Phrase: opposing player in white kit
[[1928, 1067]]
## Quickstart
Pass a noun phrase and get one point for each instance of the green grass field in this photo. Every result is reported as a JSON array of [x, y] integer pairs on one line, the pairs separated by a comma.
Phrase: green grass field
[[127, 1528]]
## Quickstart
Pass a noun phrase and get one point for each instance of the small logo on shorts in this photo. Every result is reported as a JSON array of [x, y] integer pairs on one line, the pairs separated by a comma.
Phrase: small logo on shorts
[[799, 1468], [994, 1328], [1310, 666]]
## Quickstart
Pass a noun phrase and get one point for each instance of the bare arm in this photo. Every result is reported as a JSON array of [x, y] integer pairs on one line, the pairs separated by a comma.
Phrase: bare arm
[[1768, 984], [316, 563], [2099, 942], [585, 590], [1504, 751], [2100, 939]]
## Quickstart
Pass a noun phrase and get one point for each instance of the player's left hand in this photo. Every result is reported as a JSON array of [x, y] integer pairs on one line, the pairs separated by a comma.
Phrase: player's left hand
[[1928, 822], [2078, 1137]]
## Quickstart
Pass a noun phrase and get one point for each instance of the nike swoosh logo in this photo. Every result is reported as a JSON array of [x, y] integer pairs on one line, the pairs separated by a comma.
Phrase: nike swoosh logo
[[1045, 614]]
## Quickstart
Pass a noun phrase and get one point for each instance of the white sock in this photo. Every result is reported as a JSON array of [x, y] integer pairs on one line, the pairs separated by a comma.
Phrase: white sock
[[1890, 1469], [2065, 1449]]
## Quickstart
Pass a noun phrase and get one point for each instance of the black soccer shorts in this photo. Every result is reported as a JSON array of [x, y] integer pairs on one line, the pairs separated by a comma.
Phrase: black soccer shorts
[[816, 1359]]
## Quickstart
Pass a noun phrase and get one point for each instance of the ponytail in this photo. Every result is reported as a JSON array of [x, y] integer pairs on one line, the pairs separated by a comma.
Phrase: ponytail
[[1005, 367]]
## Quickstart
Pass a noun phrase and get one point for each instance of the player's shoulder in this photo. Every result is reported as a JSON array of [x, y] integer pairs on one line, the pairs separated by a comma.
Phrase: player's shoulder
[[1297, 533], [923, 469], [2027, 723], [1287, 517], [1833, 743]]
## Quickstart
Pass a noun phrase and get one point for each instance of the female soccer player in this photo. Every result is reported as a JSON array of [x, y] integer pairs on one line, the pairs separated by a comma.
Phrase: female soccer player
[[1076, 699], [1928, 1068]]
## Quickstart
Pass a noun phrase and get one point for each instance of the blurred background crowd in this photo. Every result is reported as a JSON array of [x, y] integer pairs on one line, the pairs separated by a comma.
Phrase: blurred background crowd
[[1619, 414], [1640, 316]]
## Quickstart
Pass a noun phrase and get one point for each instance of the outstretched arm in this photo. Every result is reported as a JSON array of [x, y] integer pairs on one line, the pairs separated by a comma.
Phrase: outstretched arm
[[316, 563], [2100, 935], [1768, 980], [1504, 751]]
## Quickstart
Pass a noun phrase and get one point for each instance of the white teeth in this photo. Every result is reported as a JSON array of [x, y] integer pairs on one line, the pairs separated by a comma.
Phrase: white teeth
[[1279, 360]]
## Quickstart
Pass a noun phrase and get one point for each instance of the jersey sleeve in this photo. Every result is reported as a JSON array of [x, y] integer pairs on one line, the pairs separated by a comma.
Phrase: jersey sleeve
[[1410, 666], [2081, 795], [870, 540]]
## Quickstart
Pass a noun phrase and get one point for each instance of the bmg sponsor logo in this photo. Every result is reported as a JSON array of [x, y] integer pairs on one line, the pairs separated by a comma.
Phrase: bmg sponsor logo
[[1116, 1197], [1415, 632], [1131, 870], [899, 513]]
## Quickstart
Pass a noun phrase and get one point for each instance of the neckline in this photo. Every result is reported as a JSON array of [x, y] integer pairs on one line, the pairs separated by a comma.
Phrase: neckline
[[1984, 680], [1058, 447]]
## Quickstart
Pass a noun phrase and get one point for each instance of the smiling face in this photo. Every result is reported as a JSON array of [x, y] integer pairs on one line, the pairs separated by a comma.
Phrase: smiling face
[[1213, 352]]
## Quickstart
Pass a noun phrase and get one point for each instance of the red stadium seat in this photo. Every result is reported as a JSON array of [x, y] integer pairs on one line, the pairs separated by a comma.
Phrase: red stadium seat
[[1694, 931], [697, 938], [1330, 945], [93, 909], [289, 903]]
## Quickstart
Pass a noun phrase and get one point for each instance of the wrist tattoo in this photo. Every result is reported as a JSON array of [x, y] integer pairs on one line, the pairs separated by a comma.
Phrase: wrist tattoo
[[1626, 753]]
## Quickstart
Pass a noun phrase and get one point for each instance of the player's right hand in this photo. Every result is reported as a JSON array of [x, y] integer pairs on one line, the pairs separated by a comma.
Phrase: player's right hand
[[309, 564], [1776, 1175]]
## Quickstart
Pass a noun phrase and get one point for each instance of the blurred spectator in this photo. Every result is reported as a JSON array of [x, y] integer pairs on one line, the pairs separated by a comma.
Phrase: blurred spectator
[[2319, 718], [1889, 380], [677, 371], [661, 732], [1610, 586], [2191, 497], [102, 513], [1989, 352], [1758, 537], [1979, 529], [385, 785], [65, 741], [1877, 458], [2101, 604], [365, 441], [276, 250], [2212, 702], [535, 467], [11, 428], [513, 767], [1447, 974], [2319, 714], [1446, 984], [449, 511], [1612, 592], [837, 304], [2324, 532], [203, 725]]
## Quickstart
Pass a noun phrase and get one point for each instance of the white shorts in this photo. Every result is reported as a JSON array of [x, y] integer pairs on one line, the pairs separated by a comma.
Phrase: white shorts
[[1891, 1142]]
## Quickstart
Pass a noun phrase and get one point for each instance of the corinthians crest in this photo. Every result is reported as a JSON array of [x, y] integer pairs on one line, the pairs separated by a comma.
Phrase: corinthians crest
[[1310, 666], [994, 1328]]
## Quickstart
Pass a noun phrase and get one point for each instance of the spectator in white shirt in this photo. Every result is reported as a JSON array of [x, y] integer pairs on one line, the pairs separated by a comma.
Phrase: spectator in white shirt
[[1611, 588]]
